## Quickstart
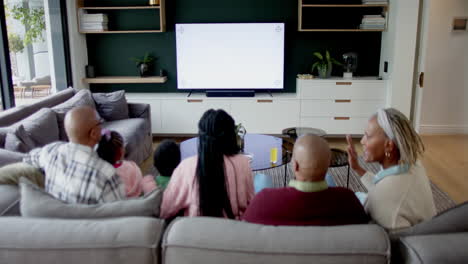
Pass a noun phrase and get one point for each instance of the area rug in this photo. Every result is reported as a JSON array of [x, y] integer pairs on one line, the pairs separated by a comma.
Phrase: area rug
[[441, 199]]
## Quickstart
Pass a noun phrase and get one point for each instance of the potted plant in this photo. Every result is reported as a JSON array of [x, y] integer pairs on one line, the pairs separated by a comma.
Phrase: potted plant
[[144, 64], [324, 64], [240, 134]]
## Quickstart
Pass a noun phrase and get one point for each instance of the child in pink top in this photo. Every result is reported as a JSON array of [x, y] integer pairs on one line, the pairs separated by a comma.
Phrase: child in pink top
[[111, 149]]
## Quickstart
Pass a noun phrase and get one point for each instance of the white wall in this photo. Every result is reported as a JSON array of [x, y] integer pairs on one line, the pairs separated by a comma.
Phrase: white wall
[[78, 50], [398, 48], [444, 104]]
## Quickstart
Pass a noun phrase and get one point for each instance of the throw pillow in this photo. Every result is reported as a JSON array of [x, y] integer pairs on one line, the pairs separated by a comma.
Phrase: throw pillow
[[35, 202], [11, 173], [111, 106], [18, 140], [81, 98], [41, 127]]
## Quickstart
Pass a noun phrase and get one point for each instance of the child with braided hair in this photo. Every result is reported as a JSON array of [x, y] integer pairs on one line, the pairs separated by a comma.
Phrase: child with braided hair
[[111, 149]]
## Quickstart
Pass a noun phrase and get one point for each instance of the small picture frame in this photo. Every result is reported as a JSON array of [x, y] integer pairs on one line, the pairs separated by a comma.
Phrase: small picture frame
[[459, 23]]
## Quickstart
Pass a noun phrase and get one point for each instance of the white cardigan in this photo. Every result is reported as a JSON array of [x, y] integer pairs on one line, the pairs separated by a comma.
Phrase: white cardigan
[[400, 200]]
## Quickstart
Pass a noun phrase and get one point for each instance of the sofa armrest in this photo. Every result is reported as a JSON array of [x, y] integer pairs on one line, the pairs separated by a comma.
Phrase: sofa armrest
[[216, 240], [440, 248], [139, 110], [114, 240], [8, 157]]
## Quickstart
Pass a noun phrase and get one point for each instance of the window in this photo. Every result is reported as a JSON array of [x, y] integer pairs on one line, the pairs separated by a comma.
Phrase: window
[[37, 40]]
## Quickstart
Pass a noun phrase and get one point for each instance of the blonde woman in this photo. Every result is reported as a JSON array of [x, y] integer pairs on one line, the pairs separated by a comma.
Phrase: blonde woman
[[399, 195]]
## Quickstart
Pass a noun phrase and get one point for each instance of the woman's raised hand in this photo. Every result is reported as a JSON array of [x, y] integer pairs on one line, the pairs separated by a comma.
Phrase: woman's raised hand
[[353, 157]]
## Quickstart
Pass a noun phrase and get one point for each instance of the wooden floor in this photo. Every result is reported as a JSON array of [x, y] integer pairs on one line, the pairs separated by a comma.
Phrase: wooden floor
[[445, 159]]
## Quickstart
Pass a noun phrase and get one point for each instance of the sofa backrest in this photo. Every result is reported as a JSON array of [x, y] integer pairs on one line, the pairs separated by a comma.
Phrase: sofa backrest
[[453, 220], [16, 114], [215, 240], [120, 240]]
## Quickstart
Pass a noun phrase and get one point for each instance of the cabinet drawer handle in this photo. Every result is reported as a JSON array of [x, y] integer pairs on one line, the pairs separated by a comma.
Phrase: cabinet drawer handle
[[344, 83], [341, 118], [264, 101], [343, 101], [194, 100]]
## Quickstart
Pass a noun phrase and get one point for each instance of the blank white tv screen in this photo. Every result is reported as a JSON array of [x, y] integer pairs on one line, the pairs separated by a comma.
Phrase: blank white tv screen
[[230, 56]]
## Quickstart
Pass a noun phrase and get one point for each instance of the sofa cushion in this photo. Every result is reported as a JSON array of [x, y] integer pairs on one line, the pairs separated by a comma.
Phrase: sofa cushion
[[210, 240], [42, 127], [11, 173], [7, 157], [9, 200], [81, 98], [132, 131], [120, 240], [439, 248], [111, 106], [18, 140], [35, 202]]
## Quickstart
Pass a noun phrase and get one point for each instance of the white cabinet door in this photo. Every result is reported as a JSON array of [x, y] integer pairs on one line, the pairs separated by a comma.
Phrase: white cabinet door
[[332, 108], [336, 125], [266, 116], [363, 90], [155, 105], [181, 116]]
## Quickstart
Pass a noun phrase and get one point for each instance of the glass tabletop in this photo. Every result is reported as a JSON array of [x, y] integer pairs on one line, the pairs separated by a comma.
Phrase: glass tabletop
[[257, 148]]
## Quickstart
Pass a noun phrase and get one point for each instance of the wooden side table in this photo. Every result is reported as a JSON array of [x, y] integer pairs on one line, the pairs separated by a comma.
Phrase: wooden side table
[[40, 88]]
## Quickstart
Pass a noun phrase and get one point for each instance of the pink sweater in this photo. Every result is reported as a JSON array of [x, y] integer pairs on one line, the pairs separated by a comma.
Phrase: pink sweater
[[134, 182], [182, 191]]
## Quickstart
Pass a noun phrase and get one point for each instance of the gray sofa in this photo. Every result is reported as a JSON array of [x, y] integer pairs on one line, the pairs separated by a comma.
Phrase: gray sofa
[[136, 129], [214, 240]]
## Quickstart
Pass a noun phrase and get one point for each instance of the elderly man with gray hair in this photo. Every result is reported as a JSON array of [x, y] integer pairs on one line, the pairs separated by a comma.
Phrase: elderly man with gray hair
[[308, 200], [74, 173]]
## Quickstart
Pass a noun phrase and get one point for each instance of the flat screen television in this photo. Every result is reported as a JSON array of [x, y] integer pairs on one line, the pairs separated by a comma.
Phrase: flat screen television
[[230, 56]]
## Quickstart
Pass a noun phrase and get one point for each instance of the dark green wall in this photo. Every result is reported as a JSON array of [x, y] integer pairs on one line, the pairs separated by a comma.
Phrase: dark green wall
[[110, 53]]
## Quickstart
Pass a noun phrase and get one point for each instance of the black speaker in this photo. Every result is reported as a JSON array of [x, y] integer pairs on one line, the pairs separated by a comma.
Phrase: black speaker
[[230, 93]]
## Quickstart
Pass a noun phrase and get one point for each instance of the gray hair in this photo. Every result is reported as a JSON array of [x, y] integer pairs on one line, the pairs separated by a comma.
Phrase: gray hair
[[399, 129]]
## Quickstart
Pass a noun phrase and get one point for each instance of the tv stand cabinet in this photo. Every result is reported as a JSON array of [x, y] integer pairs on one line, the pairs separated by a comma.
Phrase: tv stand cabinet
[[337, 106]]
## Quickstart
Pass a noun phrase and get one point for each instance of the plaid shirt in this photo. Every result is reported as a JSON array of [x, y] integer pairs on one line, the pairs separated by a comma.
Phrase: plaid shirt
[[76, 174]]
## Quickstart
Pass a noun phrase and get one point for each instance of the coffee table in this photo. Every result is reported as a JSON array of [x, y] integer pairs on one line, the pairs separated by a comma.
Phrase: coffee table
[[256, 145]]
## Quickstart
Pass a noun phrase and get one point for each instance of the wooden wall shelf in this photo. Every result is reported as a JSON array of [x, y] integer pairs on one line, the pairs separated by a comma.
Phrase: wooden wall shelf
[[122, 31], [336, 10], [118, 7], [158, 9], [125, 79], [342, 30], [317, 5]]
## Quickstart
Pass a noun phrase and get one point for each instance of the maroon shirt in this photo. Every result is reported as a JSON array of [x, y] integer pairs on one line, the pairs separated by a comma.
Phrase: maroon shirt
[[288, 206]]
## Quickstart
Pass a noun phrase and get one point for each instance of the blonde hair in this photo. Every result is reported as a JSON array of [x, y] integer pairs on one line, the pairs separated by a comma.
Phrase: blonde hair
[[399, 129]]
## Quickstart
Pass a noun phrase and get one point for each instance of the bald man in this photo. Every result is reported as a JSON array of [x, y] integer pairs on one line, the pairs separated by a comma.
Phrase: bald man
[[73, 170], [308, 200]]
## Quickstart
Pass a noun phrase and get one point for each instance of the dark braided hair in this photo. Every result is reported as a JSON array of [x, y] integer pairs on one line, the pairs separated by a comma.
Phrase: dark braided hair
[[109, 144], [216, 138]]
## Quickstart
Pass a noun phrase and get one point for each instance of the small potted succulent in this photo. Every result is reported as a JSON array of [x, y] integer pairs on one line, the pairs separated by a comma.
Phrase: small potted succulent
[[144, 64], [324, 64]]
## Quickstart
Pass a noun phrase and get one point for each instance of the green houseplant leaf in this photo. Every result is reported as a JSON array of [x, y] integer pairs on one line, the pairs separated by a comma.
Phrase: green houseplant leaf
[[324, 64], [146, 59]]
